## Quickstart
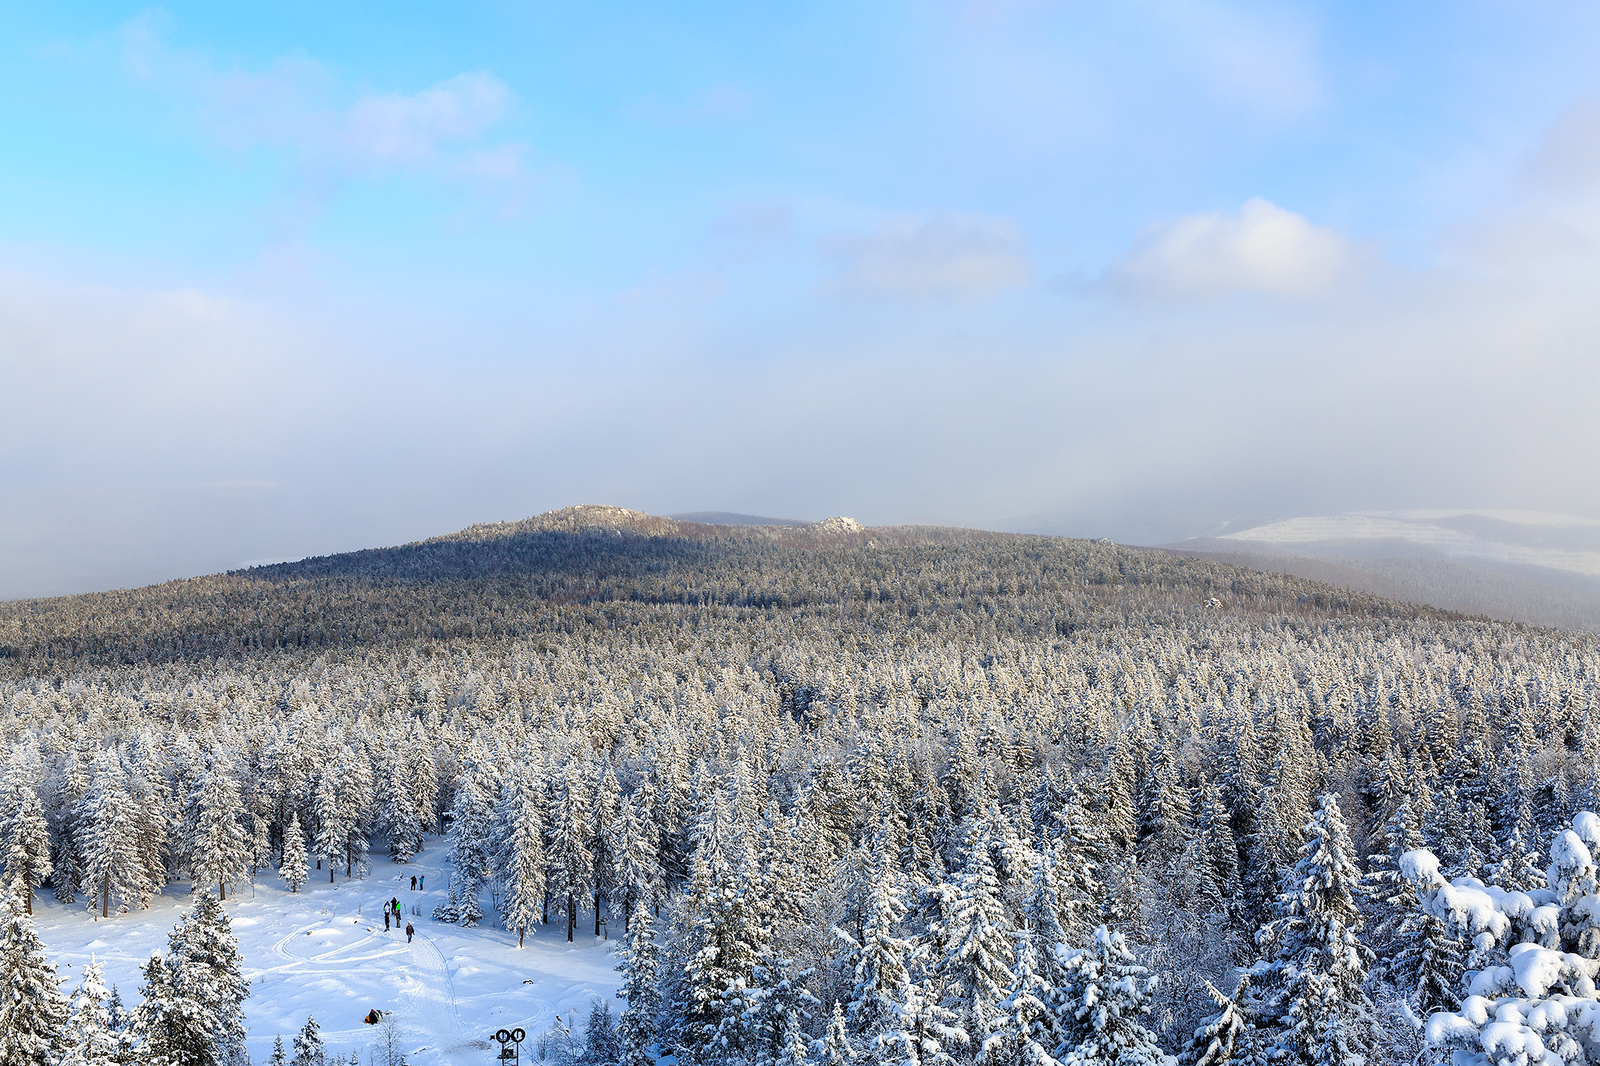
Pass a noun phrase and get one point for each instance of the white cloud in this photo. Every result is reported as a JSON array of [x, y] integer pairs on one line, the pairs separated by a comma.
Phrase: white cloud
[[1264, 248], [407, 128], [295, 104], [964, 256]]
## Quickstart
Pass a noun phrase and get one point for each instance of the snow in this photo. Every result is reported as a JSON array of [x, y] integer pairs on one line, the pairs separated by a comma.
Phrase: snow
[[1413, 528], [324, 952]]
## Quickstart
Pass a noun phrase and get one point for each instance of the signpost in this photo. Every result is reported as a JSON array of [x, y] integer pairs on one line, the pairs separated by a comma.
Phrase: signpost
[[511, 1045]]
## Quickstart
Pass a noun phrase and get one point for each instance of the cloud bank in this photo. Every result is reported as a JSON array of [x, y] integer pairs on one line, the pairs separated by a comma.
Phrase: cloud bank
[[1263, 248]]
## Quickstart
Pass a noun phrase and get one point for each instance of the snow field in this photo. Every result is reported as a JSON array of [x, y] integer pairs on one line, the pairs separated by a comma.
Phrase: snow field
[[323, 951]]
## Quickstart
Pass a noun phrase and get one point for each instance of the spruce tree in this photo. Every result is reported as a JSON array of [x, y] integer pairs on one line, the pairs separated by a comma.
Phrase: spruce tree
[[113, 872], [1105, 1001], [571, 863], [882, 957], [90, 1036], [641, 989], [308, 1049], [1223, 1038], [471, 829], [1318, 965], [24, 834], [975, 963], [837, 1048], [522, 890], [33, 1012], [292, 867], [219, 852], [1029, 1028]]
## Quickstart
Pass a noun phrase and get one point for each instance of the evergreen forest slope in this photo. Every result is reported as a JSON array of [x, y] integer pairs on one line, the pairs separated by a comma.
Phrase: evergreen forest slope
[[876, 767]]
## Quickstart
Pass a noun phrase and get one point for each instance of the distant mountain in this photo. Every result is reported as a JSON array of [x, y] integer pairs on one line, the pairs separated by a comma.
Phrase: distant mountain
[[1513, 565], [729, 518]]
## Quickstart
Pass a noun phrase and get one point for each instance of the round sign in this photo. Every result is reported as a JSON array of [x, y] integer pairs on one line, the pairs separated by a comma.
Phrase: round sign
[[503, 1036], [519, 1035]]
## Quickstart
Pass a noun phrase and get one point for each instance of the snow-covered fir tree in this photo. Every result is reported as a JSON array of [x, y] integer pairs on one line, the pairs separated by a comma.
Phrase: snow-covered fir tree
[[641, 990], [292, 867], [308, 1046], [33, 1012], [1316, 970], [522, 862], [1105, 1002], [91, 1039]]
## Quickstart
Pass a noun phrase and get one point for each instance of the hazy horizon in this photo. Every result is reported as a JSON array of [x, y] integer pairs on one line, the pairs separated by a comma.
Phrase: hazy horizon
[[296, 281]]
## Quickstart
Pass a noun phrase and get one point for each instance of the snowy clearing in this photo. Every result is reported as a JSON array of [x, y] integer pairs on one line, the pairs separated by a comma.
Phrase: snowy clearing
[[324, 952]]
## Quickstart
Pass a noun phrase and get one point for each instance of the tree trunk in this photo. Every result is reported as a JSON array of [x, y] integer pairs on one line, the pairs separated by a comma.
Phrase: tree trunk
[[105, 898], [597, 912], [222, 892], [572, 916], [520, 931]]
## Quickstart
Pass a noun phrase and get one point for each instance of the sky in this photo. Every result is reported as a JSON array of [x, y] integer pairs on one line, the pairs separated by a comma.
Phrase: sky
[[289, 279]]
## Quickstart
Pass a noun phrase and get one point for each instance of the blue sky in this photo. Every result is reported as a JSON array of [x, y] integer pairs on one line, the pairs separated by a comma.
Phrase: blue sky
[[291, 279]]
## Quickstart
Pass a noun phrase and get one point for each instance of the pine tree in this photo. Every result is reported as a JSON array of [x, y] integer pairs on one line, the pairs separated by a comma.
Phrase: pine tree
[[278, 1057], [219, 852], [571, 864], [471, 830], [113, 871], [1318, 964], [976, 960], [1028, 1029], [292, 867], [24, 834], [1223, 1037], [641, 989], [91, 1039], [1104, 1003], [837, 1049], [308, 1049], [882, 957], [523, 865], [33, 1012]]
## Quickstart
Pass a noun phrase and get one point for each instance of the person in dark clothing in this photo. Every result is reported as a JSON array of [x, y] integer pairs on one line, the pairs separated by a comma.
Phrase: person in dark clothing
[[413, 882], [373, 1017], [386, 920], [410, 932]]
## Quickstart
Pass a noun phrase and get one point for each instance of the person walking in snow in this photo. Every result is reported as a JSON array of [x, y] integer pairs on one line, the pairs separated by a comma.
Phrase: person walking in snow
[[421, 878], [410, 932], [386, 919], [413, 882]]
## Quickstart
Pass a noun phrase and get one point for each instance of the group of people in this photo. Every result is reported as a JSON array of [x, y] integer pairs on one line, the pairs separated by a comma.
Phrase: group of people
[[392, 909]]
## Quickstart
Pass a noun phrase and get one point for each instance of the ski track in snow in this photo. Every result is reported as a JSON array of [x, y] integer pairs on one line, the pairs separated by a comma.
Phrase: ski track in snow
[[318, 952]]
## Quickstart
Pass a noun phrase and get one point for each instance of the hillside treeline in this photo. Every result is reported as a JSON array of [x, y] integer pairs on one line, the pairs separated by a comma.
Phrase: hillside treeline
[[903, 797]]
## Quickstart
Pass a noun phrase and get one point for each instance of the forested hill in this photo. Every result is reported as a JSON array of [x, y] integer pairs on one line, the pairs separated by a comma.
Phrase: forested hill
[[514, 579], [957, 786]]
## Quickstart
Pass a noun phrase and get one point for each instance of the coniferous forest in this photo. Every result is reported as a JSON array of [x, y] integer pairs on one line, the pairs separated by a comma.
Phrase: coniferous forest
[[844, 795]]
